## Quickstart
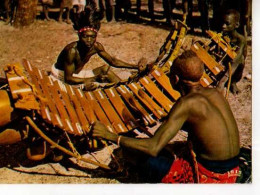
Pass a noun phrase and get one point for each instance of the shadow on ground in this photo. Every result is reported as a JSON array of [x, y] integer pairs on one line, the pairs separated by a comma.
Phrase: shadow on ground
[[14, 156]]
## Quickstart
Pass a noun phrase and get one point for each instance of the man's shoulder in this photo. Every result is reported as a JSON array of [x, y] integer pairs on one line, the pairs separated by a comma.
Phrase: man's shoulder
[[188, 101], [99, 47], [199, 98], [71, 48], [71, 45], [241, 38], [194, 97]]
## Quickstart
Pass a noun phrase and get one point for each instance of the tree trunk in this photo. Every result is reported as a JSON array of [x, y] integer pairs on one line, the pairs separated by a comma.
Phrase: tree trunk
[[25, 13]]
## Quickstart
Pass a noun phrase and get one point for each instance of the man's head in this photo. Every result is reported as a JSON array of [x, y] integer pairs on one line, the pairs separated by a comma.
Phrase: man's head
[[87, 36], [230, 20], [187, 67], [87, 23]]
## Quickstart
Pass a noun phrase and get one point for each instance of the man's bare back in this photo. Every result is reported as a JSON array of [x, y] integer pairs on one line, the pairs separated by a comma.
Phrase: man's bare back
[[211, 125]]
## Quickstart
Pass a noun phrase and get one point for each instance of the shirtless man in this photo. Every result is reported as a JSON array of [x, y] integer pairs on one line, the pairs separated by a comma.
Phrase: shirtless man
[[75, 55], [230, 24], [212, 130]]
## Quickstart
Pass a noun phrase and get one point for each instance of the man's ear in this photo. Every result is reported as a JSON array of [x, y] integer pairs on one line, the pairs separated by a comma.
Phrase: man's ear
[[177, 78], [237, 24]]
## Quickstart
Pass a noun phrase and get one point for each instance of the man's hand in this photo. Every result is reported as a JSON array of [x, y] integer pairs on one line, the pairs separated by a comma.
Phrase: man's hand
[[222, 82], [101, 131], [221, 85], [89, 85], [142, 64], [102, 78]]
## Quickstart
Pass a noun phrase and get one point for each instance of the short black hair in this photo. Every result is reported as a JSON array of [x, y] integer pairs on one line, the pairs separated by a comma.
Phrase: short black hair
[[233, 12], [187, 66]]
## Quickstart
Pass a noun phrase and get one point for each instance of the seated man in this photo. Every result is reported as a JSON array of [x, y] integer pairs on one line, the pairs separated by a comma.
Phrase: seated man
[[212, 132], [75, 55], [230, 24]]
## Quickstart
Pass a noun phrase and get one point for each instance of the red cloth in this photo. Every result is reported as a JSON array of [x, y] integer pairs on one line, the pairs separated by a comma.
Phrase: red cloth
[[206, 176], [182, 171]]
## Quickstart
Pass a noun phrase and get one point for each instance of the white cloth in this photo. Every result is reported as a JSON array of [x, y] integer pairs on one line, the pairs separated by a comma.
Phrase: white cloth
[[79, 2], [57, 74]]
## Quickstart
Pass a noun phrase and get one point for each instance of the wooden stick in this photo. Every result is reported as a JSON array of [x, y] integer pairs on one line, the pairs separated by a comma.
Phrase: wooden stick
[[35, 127]]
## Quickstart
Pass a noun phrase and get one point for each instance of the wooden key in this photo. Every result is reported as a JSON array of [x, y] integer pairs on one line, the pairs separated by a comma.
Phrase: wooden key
[[85, 104], [205, 80], [50, 108], [164, 81], [167, 45], [43, 105], [222, 43], [150, 86], [75, 124], [98, 110], [147, 101], [207, 59], [54, 88], [133, 103], [110, 111], [79, 110], [121, 108], [174, 54]]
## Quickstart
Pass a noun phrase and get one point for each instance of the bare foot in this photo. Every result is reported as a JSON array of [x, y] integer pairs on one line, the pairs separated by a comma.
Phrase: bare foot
[[68, 21], [234, 89]]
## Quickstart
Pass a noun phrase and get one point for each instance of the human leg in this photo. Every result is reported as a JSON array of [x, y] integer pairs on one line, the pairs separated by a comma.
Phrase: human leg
[[167, 7], [204, 10], [104, 74], [150, 169], [68, 15], [236, 77], [151, 9], [46, 12]]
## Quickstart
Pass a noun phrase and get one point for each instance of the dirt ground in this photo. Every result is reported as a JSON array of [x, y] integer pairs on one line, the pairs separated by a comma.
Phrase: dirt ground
[[42, 42]]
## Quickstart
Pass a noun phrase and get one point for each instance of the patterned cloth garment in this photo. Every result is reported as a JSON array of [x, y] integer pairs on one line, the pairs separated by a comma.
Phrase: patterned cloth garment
[[183, 171]]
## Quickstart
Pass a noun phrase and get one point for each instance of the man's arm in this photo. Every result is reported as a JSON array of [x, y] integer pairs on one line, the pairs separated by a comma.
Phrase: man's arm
[[69, 69], [154, 145], [240, 53], [116, 62], [235, 62]]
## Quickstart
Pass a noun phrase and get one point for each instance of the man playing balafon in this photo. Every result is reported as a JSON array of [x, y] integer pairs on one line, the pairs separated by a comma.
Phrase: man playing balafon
[[73, 58], [212, 132]]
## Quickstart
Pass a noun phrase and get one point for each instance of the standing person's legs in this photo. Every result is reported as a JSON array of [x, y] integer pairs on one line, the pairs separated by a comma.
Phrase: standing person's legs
[[204, 10], [217, 14], [151, 9], [187, 9], [167, 7], [109, 10]]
